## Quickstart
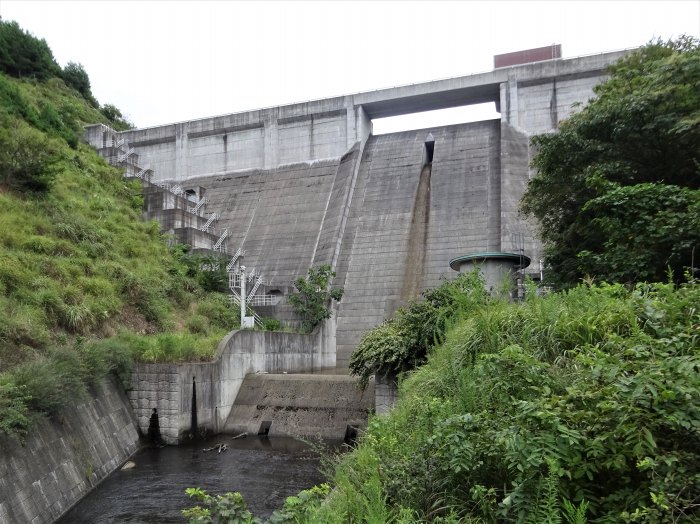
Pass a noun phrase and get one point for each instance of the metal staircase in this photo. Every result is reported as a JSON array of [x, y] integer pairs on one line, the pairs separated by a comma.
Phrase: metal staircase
[[123, 157], [253, 276], [253, 290], [195, 210], [145, 174], [234, 283], [209, 222], [218, 246], [229, 267], [120, 153]]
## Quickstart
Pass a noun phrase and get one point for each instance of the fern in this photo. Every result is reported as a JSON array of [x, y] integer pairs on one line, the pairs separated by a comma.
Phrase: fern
[[547, 510], [575, 514]]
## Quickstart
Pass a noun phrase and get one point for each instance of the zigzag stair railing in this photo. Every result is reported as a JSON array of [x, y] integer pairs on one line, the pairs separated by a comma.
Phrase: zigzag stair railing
[[195, 210], [209, 222], [218, 246], [232, 263]]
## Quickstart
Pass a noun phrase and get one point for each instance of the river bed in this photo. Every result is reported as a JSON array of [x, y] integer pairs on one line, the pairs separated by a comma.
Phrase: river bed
[[265, 471]]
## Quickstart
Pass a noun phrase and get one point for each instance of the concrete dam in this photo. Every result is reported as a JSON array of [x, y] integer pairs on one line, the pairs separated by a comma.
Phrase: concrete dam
[[306, 184], [286, 188]]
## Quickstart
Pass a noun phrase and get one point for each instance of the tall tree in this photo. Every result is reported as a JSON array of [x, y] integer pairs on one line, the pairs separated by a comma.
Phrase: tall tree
[[24, 55], [617, 194], [75, 76]]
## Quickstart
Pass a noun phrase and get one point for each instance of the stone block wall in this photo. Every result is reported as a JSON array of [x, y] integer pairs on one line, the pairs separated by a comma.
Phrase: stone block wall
[[65, 457]]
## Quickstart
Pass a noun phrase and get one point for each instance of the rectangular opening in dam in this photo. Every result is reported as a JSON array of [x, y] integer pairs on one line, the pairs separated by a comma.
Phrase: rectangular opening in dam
[[436, 118]]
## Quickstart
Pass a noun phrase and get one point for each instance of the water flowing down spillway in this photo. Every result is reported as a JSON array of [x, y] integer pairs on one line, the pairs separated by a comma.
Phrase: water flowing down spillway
[[265, 471]]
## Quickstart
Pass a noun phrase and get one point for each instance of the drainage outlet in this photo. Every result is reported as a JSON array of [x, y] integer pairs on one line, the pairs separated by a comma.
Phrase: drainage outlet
[[265, 427]]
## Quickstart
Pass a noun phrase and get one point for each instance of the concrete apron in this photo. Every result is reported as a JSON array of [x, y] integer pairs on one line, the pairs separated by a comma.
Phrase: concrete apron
[[326, 406]]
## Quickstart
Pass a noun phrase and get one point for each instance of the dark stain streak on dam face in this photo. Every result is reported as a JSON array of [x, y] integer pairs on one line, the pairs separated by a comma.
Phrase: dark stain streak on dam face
[[418, 237]]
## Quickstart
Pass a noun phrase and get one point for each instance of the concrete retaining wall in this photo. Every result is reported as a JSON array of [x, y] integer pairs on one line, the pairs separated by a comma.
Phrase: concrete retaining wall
[[65, 458], [386, 393], [168, 387]]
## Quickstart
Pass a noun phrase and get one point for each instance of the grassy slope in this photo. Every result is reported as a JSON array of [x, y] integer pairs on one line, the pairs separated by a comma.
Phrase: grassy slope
[[586, 398], [77, 263]]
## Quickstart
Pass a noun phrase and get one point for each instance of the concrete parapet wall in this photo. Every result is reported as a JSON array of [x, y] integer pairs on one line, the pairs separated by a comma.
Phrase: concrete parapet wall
[[168, 387], [66, 457], [530, 96]]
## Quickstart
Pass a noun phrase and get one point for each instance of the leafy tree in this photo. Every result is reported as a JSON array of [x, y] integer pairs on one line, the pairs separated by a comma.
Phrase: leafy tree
[[22, 54], [311, 300], [618, 186], [75, 76], [115, 116]]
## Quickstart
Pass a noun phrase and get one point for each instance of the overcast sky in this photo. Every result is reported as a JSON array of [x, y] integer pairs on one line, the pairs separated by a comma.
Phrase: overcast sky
[[169, 61]]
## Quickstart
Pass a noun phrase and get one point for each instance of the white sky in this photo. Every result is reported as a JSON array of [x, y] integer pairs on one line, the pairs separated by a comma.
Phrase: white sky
[[169, 61]]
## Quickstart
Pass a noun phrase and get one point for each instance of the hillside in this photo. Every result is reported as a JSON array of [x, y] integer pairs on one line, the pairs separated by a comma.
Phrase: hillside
[[85, 285], [578, 406]]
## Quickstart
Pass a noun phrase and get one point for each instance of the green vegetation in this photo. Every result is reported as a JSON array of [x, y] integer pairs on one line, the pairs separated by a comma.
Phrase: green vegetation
[[86, 286], [313, 296], [209, 270], [579, 406], [75, 76], [579, 402], [230, 508], [24, 56], [617, 193], [402, 343]]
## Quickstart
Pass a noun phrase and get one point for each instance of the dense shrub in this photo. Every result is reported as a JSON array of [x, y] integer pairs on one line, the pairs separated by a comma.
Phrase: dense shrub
[[116, 119], [27, 157], [75, 76], [582, 402], [402, 342]]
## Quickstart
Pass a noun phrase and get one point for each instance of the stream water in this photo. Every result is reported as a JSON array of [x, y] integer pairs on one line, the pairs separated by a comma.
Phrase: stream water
[[265, 471]]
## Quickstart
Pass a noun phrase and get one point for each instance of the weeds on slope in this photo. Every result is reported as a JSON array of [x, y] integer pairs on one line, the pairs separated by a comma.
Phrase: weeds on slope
[[574, 406]]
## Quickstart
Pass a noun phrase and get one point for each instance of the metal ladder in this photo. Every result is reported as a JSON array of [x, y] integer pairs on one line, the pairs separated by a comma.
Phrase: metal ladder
[[255, 287]]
